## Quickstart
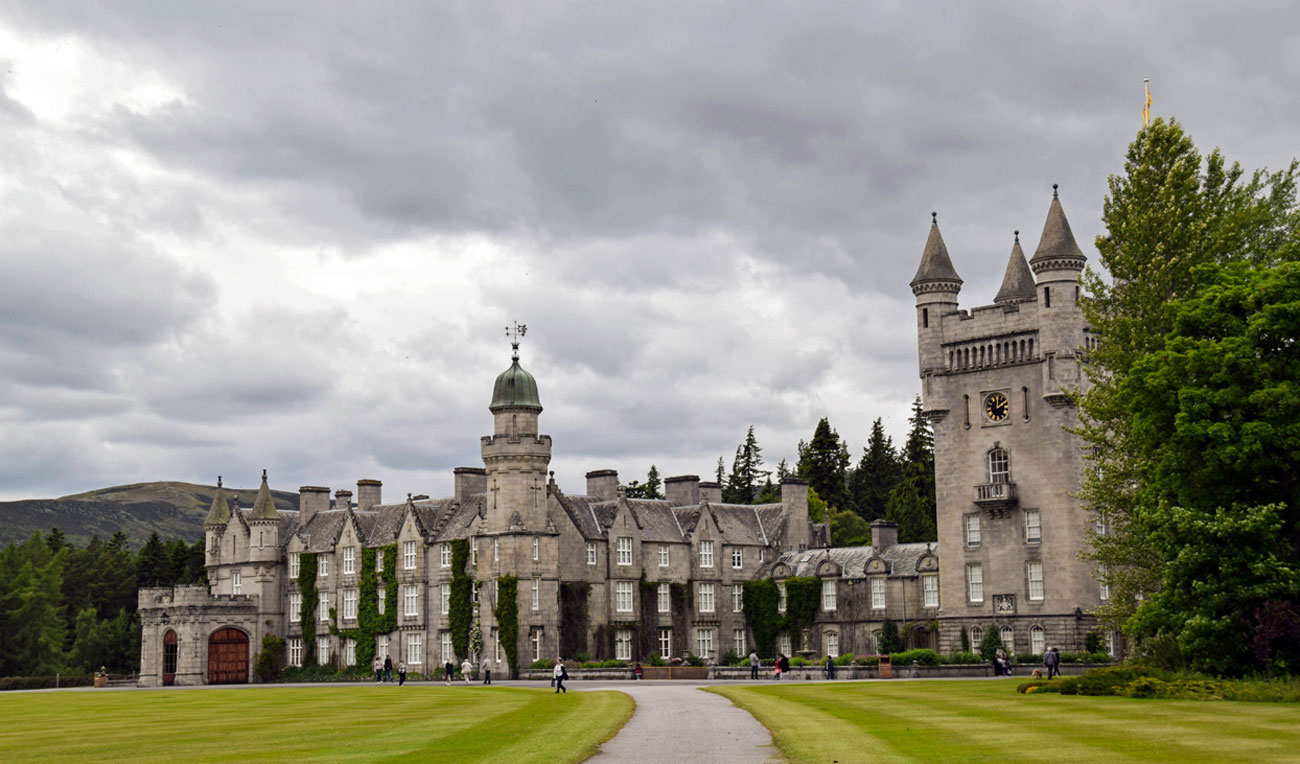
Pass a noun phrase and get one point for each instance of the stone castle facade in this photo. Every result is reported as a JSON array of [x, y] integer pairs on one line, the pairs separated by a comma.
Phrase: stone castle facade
[[613, 577]]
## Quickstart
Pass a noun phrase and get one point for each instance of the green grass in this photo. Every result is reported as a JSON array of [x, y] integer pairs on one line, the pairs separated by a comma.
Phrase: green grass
[[987, 721], [301, 725]]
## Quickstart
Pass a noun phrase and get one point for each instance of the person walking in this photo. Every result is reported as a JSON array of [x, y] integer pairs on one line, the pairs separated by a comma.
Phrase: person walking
[[379, 670], [785, 665], [753, 664], [466, 668], [560, 675], [401, 673], [830, 668], [487, 671], [1052, 661], [448, 669], [777, 665], [555, 672], [388, 669]]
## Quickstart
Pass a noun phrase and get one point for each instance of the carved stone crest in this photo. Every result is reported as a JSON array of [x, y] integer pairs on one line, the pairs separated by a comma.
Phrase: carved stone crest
[[1004, 604]]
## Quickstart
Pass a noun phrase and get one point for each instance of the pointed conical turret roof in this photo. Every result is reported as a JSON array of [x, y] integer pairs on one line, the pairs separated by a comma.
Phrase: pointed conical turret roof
[[264, 505], [1018, 282], [936, 267], [219, 514], [1057, 249]]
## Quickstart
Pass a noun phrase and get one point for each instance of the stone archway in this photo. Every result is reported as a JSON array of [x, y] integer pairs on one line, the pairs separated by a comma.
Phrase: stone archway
[[171, 650], [228, 657], [922, 636]]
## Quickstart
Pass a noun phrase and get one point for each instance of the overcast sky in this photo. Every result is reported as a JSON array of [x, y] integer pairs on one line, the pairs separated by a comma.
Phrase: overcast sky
[[247, 235]]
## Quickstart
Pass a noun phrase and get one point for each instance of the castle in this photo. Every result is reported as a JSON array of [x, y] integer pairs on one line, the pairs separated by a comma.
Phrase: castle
[[614, 577]]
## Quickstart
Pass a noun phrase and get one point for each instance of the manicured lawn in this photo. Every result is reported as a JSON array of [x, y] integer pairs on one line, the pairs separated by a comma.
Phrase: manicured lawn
[[986, 721], [318, 724]]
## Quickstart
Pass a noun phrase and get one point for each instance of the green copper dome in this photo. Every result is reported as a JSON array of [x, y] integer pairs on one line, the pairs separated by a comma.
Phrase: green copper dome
[[515, 388]]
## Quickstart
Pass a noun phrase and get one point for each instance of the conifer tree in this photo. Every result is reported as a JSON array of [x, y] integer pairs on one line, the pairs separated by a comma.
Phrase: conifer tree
[[911, 503], [878, 471], [824, 463], [746, 471]]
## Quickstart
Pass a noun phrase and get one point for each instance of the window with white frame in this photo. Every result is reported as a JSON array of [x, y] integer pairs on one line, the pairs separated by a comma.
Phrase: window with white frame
[[1104, 590], [975, 582], [1099, 523], [323, 605], [411, 600], [415, 648], [1008, 639], [784, 643], [537, 594], [878, 593], [1035, 569], [447, 654], [349, 560], [930, 590], [496, 550], [665, 643], [780, 600], [323, 652], [379, 561], [294, 563], [704, 643], [295, 651], [737, 598], [706, 554], [1037, 640], [537, 549], [408, 555], [760, 554], [381, 599], [663, 555], [623, 645], [236, 582], [473, 552], [976, 636], [738, 641], [1033, 526], [972, 530], [535, 643], [444, 555], [737, 558], [623, 596], [999, 466], [1110, 644], [706, 597], [829, 594], [349, 652], [444, 599], [496, 641], [591, 553], [349, 605], [833, 644], [381, 645], [322, 566], [663, 597], [295, 607], [624, 550], [874, 644]]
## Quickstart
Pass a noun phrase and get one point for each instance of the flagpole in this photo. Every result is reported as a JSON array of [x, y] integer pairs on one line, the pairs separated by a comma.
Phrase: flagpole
[[1146, 105]]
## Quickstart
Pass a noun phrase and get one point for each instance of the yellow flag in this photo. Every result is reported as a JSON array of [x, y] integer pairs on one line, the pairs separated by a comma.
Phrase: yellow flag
[[1146, 107]]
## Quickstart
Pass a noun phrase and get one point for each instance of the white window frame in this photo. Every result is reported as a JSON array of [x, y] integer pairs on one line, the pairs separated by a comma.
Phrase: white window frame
[[623, 645], [1103, 590], [381, 645], [737, 598], [294, 566], [972, 526], [704, 642], [1034, 572], [737, 558], [295, 607], [496, 550], [785, 646], [295, 651], [535, 642], [738, 641], [665, 643], [323, 605], [999, 463], [1037, 640], [706, 554], [663, 555], [409, 555], [877, 593], [624, 550], [974, 582], [349, 560], [473, 552], [236, 582], [591, 553], [780, 600], [1008, 636], [664, 599], [379, 560], [830, 595], [411, 600], [444, 555], [414, 654], [1033, 526], [537, 594], [381, 599], [322, 566], [833, 644], [706, 598], [537, 549], [323, 651], [930, 590], [349, 605], [349, 652], [623, 596], [444, 599], [975, 635], [447, 653]]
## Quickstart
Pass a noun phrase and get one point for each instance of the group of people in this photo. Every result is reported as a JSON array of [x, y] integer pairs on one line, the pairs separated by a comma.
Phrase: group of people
[[384, 670], [466, 671]]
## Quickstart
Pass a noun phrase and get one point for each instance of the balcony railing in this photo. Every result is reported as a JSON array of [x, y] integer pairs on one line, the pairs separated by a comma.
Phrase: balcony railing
[[996, 497]]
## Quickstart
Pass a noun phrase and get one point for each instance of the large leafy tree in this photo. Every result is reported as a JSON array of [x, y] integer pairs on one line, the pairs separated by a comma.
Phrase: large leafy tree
[[878, 471], [824, 463], [1182, 418], [911, 502]]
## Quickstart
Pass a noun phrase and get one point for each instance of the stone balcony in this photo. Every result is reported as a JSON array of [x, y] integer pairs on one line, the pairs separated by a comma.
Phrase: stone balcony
[[996, 498]]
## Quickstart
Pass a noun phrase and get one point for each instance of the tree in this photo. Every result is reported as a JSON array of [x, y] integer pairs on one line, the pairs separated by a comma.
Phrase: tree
[[741, 486], [849, 529], [37, 630], [990, 643], [653, 484], [911, 502], [1188, 417], [824, 463], [878, 471], [890, 641], [153, 567]]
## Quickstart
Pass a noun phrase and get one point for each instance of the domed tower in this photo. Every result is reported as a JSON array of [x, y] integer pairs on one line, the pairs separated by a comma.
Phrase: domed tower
[[515, 456]]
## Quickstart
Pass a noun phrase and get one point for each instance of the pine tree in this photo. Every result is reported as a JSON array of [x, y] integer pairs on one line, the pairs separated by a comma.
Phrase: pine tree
[[153, 566], [877, 473], [824, 463], [911, 503], [742, 484], [653, 483]]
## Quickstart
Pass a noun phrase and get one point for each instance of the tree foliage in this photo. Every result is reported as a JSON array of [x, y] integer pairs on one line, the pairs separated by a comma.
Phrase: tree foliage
[[824, 463], [743, 482], [890, 641], [911, 501], [878, 471], [461, 608], [759, 602]]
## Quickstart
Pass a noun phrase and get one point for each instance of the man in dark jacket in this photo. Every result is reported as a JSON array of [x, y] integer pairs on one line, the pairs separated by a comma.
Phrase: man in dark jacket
[[1052, 660]]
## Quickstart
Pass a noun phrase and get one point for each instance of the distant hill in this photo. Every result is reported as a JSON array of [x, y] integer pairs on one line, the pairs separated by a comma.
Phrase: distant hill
[[170, 508]]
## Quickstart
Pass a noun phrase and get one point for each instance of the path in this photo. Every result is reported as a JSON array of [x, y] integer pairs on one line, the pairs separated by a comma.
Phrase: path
[[677, 722]]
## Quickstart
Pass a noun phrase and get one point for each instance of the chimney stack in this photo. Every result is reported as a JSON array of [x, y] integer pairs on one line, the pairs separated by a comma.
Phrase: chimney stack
[[311, 499], [682, 490], [711, 492], [794, 505], [342, 499], [469, 481], [602, 484], [884, 533], [369, 493]]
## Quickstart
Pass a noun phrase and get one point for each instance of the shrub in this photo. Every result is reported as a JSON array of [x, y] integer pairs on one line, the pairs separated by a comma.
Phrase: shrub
[[269, 658], [655, 659], [845, 660], [1106, 681], [694, 660], [1092, 642], [964, 657], [868, 660], [921, 656], [611, 663], [43, 682], [1039, 685], [889, 641], [1028, 658], [800, 661], [582, 657], [990, 643], [542, 663]]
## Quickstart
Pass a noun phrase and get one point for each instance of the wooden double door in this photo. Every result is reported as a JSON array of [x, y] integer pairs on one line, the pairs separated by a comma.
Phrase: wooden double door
[[228, 657]]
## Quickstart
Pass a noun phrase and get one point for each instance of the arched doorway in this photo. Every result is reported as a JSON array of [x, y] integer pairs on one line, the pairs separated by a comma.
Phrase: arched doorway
[[228, 657], [170, 650]]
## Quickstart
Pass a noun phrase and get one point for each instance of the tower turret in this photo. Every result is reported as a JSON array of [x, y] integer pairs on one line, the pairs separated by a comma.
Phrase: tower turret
[[515, 456], [215, 524], [1018, 281], [1057, 264], [264, 524], [936, 286]]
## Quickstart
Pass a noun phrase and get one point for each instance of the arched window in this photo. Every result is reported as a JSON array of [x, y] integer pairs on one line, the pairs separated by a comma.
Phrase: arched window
[[833, 644], [875, 641], [1008, 639], [976, 636], [999, 466], [1037, 640]]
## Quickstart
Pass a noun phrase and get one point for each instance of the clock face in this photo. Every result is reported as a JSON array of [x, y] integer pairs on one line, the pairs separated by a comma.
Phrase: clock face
[[996, 407]]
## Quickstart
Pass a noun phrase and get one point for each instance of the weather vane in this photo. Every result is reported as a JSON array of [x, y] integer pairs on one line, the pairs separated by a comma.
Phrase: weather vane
[[515, 334]]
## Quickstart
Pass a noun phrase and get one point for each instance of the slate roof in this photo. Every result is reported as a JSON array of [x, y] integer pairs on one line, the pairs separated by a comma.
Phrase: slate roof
[[1057, 241], [936, 265], [743, 523], [581, 512], [219, 512], [264, 505], [323, 530], [1018, 282], [853, 560]]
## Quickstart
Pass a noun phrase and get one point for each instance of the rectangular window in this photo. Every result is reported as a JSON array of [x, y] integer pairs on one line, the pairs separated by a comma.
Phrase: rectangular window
[[408, 555], [448, 656], [833, 644], [972, 530], [1101, 581], [623, 645], [664, 601], [496, 550], [975, 582], [381, 646], [624, 550], [1008, 639], [704, 643], [737, 558], [444, 599], [737, 598], [295, 607], [381, 599], [665, 643], [760, 554], [623, 596], [1033, 526], [738, 641], [322, 566], [349, 652], [1035, 580], [411, 598], [828, 595], [706, 554], [535, 642], [323, 605], [293, 565], [349, 560], [496, 640], [473, 552], [663, 555], [350, 605], [930, 590], [591, 553], [877, 594], [295, 651], [1037, 640], [415, 648], [537, 549], [780, 602], [537, 594], [444, 555], [323, 652], [706, 598], [379, 560], [236, 582], [785, 646]]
